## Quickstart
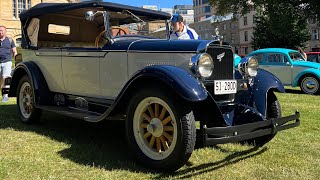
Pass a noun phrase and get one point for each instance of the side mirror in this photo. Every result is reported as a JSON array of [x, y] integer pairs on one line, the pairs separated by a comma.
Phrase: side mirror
[[17, 59], [89, 15]]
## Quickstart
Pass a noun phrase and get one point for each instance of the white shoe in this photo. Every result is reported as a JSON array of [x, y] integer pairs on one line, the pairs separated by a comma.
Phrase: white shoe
[[5, 99]]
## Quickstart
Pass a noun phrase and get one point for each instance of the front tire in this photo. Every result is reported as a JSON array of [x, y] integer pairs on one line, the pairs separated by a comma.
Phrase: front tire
[[273, 111], [160, 130], [309, 84], [27, 111]]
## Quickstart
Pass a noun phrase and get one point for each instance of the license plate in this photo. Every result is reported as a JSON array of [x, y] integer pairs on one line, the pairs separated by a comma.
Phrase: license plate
[[225, 87]]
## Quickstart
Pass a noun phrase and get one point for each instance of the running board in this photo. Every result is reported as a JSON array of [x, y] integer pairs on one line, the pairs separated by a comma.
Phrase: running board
[[71, 112]]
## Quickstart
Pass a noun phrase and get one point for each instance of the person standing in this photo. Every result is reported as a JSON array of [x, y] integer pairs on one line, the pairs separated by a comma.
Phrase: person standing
[[7, 49], [180, 30]]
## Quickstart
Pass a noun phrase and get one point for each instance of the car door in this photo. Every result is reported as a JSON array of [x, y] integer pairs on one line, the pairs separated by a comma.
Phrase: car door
[[49, 61], [279, 65], [80, 69]]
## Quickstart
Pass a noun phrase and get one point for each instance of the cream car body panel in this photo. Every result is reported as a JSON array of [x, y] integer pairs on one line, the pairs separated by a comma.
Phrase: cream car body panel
[[113, 70], [48, 60], [81, 72]]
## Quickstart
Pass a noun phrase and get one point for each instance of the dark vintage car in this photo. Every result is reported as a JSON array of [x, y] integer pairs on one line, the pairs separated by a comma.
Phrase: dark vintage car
[[101, 61], [313, 56]]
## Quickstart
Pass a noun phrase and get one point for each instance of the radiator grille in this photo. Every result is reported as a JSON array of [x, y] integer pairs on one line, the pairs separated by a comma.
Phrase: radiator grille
[[223, 69]]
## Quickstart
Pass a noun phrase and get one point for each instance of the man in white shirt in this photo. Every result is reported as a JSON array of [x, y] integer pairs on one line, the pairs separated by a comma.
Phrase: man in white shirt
[[181, 31]]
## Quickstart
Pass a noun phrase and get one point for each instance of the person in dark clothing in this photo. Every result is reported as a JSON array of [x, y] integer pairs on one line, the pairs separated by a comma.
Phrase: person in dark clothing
[[7, 49]]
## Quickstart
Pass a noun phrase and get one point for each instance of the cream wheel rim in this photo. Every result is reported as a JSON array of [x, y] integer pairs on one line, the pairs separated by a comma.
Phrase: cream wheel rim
[[26, 100], [155, 128]]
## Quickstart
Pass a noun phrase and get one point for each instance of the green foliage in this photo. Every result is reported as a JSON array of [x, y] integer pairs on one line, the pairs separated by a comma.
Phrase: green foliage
[[280, 26], [280, 23]]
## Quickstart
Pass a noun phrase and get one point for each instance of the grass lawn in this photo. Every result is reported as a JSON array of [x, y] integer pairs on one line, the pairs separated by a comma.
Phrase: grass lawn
[[64, 148]]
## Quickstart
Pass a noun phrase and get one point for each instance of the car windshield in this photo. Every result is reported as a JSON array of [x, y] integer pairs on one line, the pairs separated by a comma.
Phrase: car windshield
[[296, 56], [156, 29], [126, 23]]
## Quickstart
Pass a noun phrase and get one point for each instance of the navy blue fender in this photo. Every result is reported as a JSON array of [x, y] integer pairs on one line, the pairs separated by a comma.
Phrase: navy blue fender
[[178, 79], [263, 82], [37, 79]]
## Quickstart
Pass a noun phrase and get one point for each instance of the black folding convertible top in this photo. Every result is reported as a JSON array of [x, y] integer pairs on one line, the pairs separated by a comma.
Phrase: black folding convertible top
[[47, 8]]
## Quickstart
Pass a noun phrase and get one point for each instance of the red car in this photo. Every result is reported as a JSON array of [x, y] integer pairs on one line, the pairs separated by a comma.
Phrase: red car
[[313, 56]]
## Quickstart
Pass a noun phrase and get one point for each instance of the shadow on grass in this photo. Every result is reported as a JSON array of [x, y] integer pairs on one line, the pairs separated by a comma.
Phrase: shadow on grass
[[294, 91], [101, 144], [207, 167]]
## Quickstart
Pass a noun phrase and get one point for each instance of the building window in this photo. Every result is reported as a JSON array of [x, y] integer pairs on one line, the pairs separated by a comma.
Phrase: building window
[[232, 37], [14, 8], [245, 21], [207, 9], [205, 1], [315, 34], [246, 50], [19, 6], [246, 36]]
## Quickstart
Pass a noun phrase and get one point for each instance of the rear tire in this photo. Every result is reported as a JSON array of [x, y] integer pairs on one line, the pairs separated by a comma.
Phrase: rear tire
[[27, 111], [160, 129]]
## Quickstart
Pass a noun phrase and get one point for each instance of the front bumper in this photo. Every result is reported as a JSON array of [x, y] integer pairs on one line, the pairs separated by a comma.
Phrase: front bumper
[[221, 135]]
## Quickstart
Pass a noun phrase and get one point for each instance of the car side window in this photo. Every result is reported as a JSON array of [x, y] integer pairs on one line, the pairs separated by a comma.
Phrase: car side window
[[276, 58], [259, 57], [312, 57]]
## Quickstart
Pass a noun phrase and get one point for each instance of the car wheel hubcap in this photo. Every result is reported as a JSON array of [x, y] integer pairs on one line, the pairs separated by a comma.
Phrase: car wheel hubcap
[[26, 100], [310, 85], [155, 129]]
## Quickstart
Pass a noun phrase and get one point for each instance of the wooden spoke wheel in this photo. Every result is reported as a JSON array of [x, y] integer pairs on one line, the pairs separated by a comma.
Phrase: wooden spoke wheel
[[155, 128], [25, 101], [160, 129]]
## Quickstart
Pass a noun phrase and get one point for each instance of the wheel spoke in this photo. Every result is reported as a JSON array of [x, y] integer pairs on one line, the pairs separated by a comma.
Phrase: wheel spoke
[[28, 109], [168, 128], [158, 144], [163, 113], [146, 117], [146, 135], [168, 136], [151, 111], [167, 120], [152, 141], [164, 143], [144, 125], [156, 110]]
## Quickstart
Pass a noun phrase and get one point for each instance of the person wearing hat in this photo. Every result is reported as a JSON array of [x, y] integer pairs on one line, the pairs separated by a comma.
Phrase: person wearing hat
[[180, 30]]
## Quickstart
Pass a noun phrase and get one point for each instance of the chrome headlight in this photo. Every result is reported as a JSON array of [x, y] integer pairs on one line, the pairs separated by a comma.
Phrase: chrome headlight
[[202, 65], [249, 66]]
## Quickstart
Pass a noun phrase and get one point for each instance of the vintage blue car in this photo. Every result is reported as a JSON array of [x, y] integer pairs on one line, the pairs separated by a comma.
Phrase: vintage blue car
[[290, 67], [105, 61]]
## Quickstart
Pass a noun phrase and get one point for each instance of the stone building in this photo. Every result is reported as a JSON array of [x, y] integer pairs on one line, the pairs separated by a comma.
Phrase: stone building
[[9, 14]]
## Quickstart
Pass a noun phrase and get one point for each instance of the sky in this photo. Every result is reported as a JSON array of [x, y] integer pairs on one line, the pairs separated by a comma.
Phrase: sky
[[162, 3]]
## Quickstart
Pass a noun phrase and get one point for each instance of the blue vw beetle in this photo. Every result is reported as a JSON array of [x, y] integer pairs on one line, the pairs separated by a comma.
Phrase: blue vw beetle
[[290, 67]]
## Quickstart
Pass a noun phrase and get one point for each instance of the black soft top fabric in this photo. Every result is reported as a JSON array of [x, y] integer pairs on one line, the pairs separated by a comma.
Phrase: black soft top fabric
[[47, 8]]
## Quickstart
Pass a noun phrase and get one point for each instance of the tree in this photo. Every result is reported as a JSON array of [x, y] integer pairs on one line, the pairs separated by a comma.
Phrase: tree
[[279, 23], [280, 27]]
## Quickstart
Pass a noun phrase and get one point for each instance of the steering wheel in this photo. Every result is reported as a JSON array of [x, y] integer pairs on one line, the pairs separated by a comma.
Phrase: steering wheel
[[120, 31]]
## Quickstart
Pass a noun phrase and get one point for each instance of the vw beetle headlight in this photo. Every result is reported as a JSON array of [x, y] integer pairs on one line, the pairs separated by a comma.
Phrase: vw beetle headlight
[[205, 65], [249, 66]]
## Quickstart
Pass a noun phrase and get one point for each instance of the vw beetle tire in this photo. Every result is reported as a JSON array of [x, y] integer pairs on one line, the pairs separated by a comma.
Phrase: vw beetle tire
[[27, 111], [160, 130], [310, 85]]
